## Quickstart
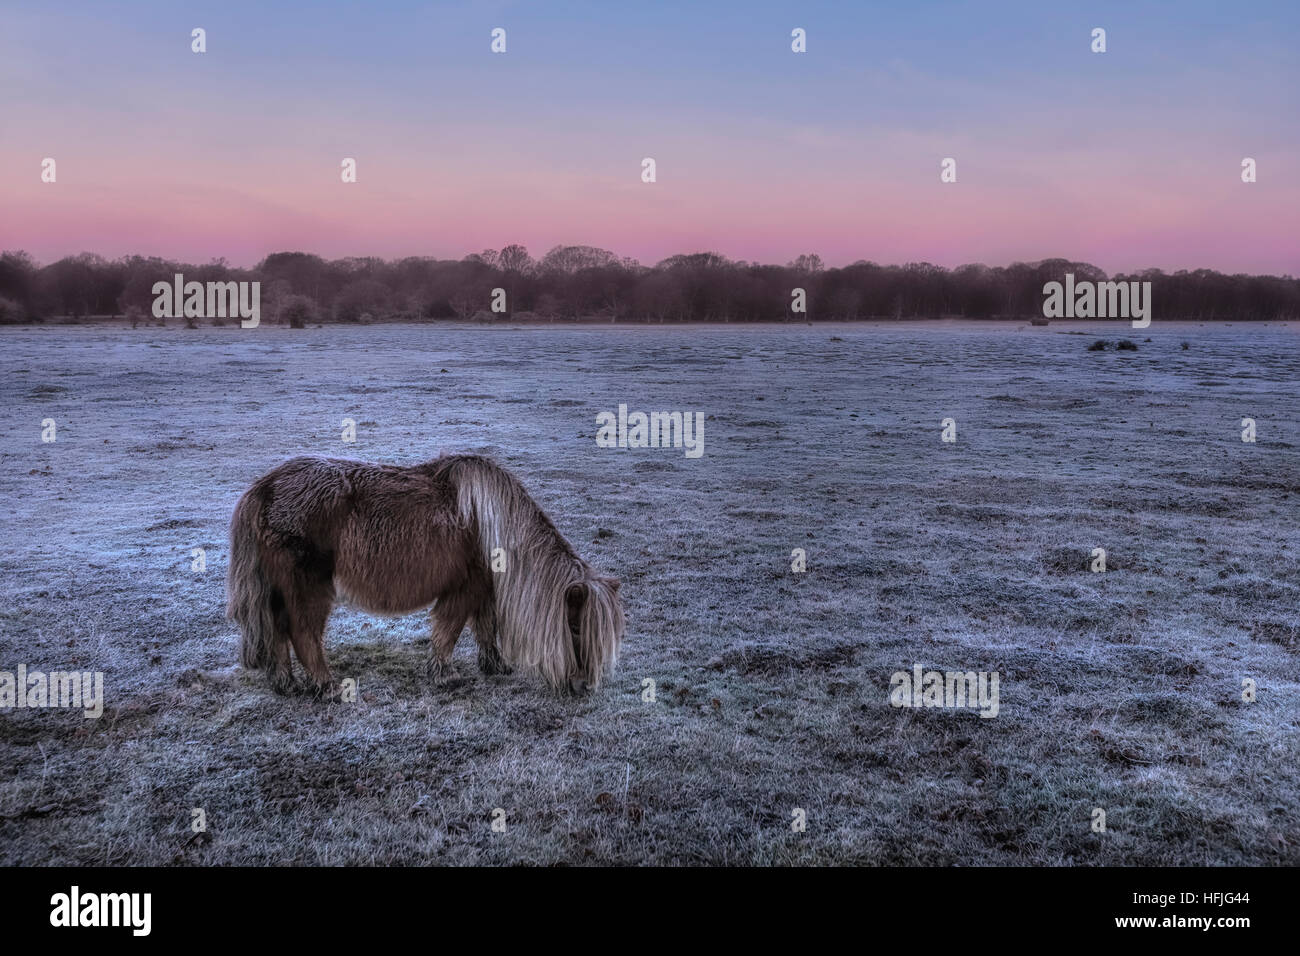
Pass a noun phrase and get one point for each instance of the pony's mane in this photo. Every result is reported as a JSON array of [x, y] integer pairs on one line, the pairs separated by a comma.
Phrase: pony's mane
[[530, 594]]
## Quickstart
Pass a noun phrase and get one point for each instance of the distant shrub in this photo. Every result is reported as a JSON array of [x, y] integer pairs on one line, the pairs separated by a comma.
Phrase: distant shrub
[[1127, 345], [1038, 321], [11, 312], [134, 315], [1098, 346], [297, 311]]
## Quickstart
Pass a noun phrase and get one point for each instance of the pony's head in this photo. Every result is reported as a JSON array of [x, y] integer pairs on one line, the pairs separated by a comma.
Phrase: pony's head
[[595, 617]]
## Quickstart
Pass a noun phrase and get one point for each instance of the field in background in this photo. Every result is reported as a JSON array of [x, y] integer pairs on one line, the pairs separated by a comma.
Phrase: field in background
[[1119, 691]]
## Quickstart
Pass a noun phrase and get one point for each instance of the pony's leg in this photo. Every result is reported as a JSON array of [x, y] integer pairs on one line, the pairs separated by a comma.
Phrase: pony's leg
[[490, 660], [281, 669], [450, 615], [308, 615]]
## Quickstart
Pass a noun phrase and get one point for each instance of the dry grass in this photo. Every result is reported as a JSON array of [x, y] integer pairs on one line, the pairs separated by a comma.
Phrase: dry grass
[[1120, 691]]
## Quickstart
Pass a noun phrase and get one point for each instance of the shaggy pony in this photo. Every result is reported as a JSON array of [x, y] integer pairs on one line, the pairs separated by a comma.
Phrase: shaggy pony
[[459, 533]]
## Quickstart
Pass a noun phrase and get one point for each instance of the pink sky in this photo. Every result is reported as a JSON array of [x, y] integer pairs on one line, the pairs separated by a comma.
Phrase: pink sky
[[1128, 160]]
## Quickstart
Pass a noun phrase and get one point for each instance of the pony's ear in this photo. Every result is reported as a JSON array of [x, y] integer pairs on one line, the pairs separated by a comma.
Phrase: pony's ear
[[574, 599]]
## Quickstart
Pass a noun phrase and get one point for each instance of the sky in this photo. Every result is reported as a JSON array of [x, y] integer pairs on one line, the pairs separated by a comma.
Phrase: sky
[[1127, 159]]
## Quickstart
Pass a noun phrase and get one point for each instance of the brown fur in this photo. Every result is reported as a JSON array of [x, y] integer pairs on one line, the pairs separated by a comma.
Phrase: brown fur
[[394, 540]]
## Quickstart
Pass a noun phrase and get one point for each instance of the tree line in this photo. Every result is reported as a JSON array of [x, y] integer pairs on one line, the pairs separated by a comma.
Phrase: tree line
[[583, 282]]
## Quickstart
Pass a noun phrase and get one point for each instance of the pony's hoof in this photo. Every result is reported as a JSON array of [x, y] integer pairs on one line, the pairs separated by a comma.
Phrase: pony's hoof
[[438, 671], [492, 664], [317, 690], [283, 684], [444, 676]]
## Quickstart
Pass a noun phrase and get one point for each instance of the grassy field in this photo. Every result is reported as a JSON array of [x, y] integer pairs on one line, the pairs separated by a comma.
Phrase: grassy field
[[1119, 690]]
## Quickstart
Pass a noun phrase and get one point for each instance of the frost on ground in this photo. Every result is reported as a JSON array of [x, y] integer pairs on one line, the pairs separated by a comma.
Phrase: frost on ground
[[1120, 691]]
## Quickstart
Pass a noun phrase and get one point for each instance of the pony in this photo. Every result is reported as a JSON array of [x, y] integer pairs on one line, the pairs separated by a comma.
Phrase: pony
[[458, 535]]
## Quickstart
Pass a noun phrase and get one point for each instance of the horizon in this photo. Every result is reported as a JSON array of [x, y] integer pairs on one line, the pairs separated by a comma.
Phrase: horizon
[[536, 262], [1128, 160]]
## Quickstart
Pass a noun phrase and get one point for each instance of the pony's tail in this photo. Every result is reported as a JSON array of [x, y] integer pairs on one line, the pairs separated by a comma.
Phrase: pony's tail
[[248, 591]]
